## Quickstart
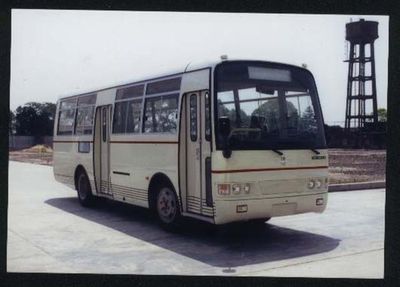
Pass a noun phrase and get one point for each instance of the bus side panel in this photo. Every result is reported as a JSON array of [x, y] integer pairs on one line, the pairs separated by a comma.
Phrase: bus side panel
[[63, 162], [66, 159], [66, 156], [134, 162]]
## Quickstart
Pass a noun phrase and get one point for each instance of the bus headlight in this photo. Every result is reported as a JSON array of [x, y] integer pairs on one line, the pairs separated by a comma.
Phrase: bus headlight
[[233, 188], [317, 183], [236, 188], [224, 189]]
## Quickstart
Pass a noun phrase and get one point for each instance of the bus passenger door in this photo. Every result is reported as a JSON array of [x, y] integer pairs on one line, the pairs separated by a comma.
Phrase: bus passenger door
[[206, 193], [193, 153], [197, 153], [102, 150]]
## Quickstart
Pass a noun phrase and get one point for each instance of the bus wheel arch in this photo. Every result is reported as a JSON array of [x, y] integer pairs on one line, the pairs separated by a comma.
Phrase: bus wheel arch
[[163, 199], [157, 181], [82, 186]]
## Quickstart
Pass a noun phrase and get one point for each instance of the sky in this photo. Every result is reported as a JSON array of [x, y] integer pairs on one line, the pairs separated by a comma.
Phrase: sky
[[57, 53]]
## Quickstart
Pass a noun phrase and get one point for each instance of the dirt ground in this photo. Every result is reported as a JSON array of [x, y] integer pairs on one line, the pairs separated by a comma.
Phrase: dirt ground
[[345, 165], [356, 165], [38, 154]]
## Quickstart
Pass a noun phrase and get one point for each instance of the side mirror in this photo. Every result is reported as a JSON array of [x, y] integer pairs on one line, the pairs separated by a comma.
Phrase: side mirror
[[224, 128]]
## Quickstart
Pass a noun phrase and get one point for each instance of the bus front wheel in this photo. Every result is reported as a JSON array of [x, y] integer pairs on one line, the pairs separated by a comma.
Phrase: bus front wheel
[[84, 190], [168, 209]]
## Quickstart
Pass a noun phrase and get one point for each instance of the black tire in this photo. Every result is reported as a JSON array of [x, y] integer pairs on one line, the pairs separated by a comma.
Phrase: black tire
[[168, 209], [84, 190]]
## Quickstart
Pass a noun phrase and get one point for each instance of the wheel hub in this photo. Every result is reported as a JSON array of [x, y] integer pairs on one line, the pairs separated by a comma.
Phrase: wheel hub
[[166, 205]]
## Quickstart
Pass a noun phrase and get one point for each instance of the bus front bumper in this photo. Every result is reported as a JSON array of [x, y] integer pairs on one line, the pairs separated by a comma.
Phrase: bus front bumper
[[231, 210]]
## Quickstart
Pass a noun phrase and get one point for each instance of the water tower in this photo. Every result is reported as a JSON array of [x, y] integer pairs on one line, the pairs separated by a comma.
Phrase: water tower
[[361, 104]]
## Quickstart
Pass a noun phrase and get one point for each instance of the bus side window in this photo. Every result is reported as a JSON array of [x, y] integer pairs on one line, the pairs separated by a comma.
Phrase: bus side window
[[84, 120], [119, 120], [160, 114], [66, 117], [104, 125], [133, 117], [207, 111], [193, 117]]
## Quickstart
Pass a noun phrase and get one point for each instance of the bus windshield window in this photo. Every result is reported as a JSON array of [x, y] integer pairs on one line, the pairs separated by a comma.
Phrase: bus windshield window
[[268, 107]]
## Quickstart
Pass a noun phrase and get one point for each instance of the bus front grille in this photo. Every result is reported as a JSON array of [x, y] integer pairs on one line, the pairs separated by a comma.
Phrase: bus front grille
[[270, 187]]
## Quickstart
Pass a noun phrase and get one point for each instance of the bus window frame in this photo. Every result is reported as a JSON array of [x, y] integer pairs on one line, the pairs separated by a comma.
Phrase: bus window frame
[[60, 110]]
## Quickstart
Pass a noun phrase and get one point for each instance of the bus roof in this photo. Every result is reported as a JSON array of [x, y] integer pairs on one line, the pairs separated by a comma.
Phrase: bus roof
[[186, 69], [190, 67]]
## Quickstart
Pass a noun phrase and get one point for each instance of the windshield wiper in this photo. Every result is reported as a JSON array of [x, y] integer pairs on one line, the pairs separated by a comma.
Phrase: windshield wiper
[[315, 151], [277, 151]]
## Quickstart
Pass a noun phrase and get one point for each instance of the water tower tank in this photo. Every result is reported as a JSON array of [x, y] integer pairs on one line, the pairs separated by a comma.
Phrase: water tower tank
[[362, 31]]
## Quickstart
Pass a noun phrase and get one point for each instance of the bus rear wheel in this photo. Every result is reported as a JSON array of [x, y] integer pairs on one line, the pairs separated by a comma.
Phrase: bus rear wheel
[[84, 190], [167, 207]]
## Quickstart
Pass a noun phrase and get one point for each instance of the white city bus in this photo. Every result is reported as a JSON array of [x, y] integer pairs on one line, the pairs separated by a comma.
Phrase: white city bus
[[228, 141]]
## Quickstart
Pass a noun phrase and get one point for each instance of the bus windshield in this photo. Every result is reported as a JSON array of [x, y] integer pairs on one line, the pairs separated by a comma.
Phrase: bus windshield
[[269, 105]]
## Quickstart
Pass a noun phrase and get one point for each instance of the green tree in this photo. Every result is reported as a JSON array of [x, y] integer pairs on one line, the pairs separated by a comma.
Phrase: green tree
[[307, 120], [11, 123], [35, 119], [382, 115], [232, 115], [270, 110]]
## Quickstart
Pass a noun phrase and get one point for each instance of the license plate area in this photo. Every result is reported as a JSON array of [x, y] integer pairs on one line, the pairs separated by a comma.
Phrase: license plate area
[[284, 209]]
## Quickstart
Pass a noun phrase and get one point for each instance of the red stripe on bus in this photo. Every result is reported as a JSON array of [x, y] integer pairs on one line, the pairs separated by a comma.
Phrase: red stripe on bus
[[122, 142], [72, 141], [267, 169], [143, 142]]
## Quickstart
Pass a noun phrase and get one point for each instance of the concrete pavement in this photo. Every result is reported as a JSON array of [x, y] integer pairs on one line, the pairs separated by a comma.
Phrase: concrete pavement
[[48, 231]]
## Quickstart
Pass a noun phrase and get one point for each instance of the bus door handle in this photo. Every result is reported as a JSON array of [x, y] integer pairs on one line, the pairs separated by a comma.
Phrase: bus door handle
[[198, 153]]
